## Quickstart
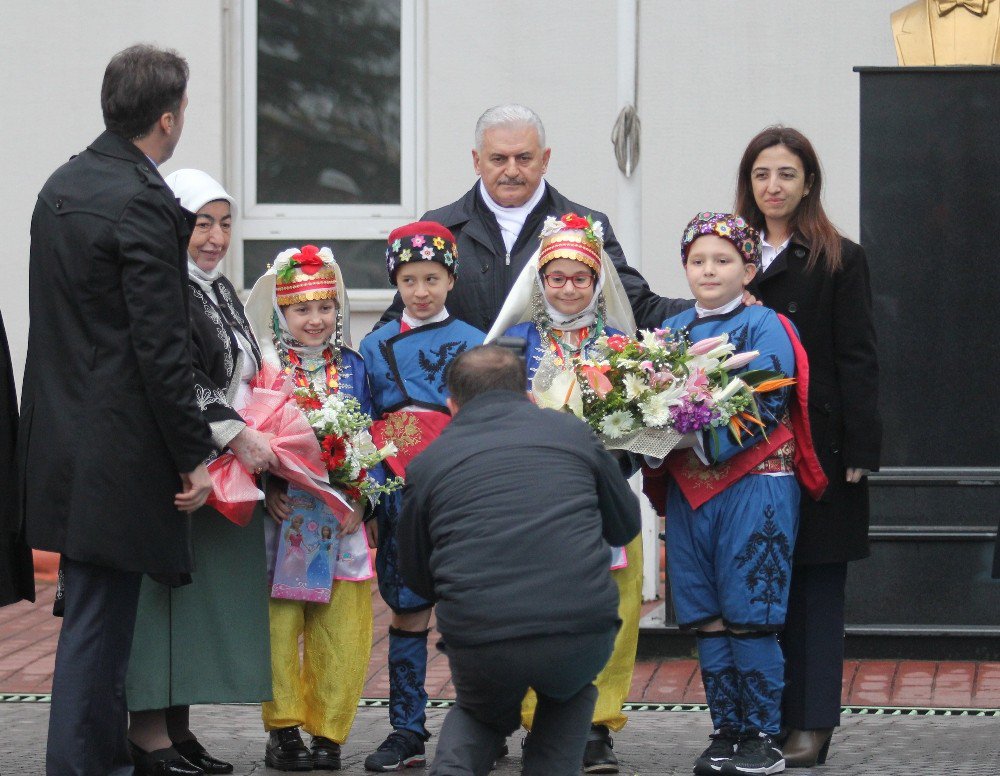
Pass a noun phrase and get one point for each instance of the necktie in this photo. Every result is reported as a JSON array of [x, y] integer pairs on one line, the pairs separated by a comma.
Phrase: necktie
[[977, 7]]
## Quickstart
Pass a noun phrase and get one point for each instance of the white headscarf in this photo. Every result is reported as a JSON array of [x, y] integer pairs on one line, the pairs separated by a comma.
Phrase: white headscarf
[[194, 189], [517, 307]]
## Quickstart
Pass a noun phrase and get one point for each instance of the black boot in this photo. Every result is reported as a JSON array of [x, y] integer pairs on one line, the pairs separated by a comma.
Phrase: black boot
[[599, 756], [325, 754], [286, 752]]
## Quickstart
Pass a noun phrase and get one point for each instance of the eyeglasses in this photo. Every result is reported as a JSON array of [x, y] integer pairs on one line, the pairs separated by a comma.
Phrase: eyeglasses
[[556, 280]]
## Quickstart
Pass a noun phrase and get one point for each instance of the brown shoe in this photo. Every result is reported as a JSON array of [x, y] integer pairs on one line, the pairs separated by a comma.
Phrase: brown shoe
[[806, 748]]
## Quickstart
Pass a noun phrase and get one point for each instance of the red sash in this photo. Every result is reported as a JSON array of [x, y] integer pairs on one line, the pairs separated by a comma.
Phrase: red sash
[[411, 432], [699, 483], [808, 471]]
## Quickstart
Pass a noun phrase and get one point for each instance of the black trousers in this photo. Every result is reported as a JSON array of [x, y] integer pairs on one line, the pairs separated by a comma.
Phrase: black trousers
[[490, 683], [813, 645], [88, 717]]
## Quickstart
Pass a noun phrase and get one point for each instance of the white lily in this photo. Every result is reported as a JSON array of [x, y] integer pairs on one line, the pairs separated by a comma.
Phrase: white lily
[[740, 359], [734, 387]]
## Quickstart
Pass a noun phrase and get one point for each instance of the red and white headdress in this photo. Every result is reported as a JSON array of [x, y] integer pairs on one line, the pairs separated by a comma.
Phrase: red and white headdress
[[304, 274], [572, 237]]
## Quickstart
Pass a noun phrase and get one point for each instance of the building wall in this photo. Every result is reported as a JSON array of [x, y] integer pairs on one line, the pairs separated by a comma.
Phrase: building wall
[[710, 76], [54, 54]]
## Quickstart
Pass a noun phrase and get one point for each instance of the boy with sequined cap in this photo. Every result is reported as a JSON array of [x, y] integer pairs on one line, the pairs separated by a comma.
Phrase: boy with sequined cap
[[732, 506], [298, 311], [407, 360]]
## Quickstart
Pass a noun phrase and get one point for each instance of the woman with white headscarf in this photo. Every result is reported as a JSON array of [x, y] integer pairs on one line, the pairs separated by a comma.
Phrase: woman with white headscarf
[[207, 641]]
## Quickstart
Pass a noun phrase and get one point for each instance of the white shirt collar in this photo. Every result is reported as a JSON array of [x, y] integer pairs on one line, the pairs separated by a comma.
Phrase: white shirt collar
[[415, 323], [511, 219], [728, 307], [768, 252]]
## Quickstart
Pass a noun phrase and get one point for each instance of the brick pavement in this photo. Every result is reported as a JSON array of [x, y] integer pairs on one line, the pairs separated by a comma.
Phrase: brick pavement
[[28, 636]]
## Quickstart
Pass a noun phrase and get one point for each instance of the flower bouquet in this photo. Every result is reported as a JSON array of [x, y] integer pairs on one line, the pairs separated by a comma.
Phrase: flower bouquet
[[271, 408], [644, 395], [346, 445]]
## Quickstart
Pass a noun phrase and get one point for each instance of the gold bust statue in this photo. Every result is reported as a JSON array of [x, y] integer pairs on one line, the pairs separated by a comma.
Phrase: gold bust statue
[[948, 32]]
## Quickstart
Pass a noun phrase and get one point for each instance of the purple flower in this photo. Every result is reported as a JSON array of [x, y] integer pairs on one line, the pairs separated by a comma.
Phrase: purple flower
[[690, 417]]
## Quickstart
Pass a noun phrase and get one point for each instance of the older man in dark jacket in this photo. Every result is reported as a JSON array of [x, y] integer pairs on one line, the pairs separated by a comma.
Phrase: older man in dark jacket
[[112, 441], [507, 522], [498, 220]]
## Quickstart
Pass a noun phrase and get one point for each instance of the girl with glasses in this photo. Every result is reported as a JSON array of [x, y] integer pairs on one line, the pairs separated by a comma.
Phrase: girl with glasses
[[568, 296]]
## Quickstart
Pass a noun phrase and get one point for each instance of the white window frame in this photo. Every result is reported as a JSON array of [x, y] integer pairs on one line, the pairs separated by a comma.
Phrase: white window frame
[[256, 221]]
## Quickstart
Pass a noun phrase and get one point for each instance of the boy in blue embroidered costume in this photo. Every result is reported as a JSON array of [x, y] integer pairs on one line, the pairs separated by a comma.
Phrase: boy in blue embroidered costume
[[730, 558], [407, 360]]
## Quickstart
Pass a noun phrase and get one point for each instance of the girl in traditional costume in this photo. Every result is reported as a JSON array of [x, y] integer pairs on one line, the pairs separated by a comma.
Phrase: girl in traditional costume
[[566, 298], [299, 313]]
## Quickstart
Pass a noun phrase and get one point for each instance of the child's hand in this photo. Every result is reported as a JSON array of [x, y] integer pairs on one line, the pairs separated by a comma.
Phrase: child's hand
[[371, 531], [276, 499], [352, 522]]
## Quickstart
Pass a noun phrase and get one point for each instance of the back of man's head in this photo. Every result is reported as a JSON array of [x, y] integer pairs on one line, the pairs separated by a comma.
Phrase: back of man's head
[[142, 83], [511, 114], [485, 368]]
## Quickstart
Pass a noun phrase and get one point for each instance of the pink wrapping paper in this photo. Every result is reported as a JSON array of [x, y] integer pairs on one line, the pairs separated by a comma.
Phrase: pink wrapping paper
[[271, 409]]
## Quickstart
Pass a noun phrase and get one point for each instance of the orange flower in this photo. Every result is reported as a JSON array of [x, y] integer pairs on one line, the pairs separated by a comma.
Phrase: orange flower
[[595, 378]]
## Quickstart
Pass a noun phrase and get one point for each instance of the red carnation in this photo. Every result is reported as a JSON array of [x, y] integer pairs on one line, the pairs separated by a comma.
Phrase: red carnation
[[617, 342], [308, 259], [573, 221]]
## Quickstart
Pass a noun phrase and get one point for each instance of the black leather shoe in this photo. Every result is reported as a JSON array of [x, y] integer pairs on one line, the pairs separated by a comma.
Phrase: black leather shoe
[[195, 753], [161, 762], [325, 754], [599, 757], [286, 752]]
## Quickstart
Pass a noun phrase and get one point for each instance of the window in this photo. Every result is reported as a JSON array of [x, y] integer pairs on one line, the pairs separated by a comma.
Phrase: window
[[328, 129]]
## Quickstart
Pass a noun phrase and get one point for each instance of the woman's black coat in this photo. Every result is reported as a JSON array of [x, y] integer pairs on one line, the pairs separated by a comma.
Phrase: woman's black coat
[[833, 314]]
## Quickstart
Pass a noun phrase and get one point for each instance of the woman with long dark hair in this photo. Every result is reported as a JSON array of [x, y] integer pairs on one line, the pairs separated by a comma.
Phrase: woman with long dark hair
[[819, 279]]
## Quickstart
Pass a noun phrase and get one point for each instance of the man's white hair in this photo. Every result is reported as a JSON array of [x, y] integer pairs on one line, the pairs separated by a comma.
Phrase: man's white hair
[[505, 116]]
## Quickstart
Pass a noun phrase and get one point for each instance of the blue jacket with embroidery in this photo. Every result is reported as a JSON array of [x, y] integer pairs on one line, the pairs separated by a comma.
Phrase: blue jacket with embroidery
[[408, 368], [749, 328]]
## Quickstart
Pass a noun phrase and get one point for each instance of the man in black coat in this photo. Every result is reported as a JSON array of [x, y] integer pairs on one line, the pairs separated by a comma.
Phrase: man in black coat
[[498, 221], [508, 518], [111, 439]]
